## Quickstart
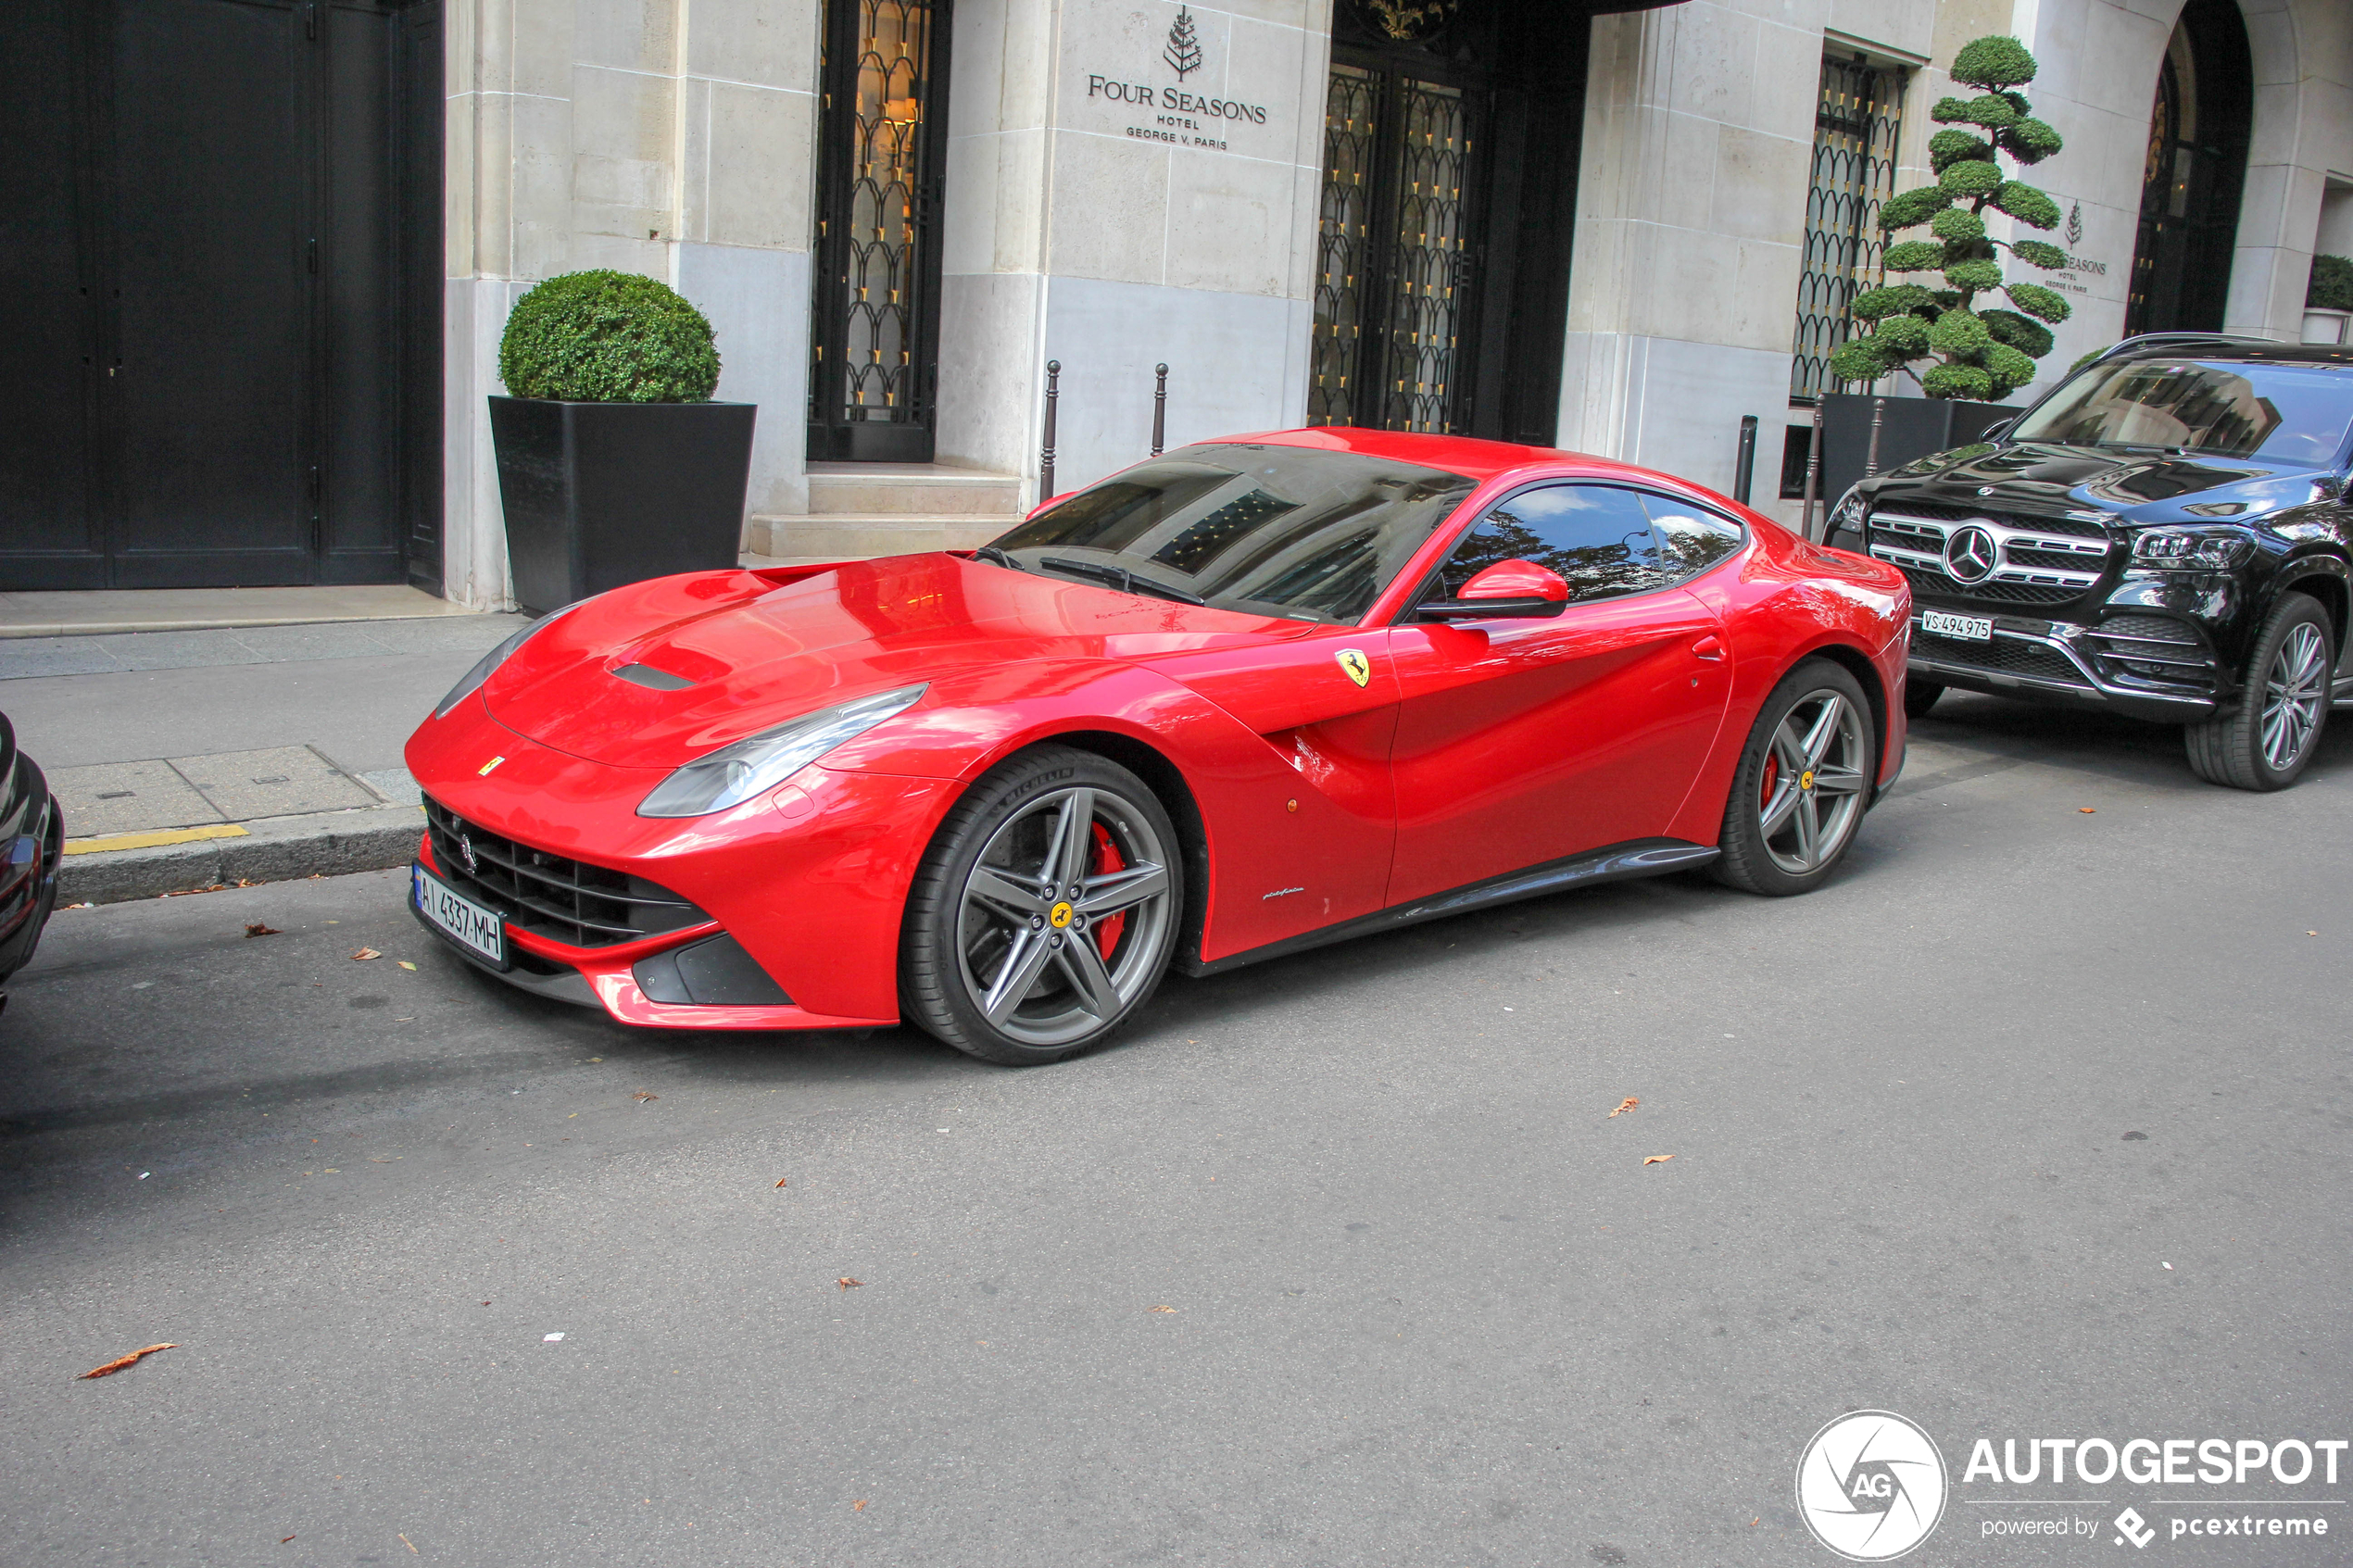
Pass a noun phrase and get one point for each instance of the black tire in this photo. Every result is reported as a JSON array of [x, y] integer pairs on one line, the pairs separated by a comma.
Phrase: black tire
[[1919, 697], [2284, 704], [1002, 958], [1776, 840]]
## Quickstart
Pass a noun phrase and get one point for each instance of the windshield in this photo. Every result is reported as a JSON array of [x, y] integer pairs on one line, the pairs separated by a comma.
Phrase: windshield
[[1288, 531], [2288, 413]]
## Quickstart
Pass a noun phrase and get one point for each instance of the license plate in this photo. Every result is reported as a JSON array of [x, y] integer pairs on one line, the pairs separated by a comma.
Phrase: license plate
[[1969, 628], [463, 921]]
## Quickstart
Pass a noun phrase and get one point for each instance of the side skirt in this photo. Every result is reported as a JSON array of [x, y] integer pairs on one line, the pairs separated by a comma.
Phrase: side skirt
[[1617, 863]]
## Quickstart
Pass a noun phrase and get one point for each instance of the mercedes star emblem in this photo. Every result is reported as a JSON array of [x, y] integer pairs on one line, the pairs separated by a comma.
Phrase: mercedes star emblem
[[1971, 555]]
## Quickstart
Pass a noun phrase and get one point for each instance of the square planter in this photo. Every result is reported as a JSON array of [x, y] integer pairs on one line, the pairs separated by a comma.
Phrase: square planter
[[1912, 427], [598, 495]]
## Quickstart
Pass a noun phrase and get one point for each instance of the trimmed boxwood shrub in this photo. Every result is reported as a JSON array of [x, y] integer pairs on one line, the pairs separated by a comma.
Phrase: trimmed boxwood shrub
[[1982, 354], [2332, 284], [608, 337]]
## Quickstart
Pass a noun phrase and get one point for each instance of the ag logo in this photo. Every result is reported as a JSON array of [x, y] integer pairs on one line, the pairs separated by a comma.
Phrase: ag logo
[[1870, 1485], [1359, 668]]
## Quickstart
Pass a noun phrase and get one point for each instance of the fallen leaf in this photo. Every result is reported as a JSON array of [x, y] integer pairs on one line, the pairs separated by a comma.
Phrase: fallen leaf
[[849, 1283], [642, 1094], [282, 1541], [121, 1361], [1164, 1309], [405, 964], [411, 1546], [259, 929], [780, 1180], [2088, 810], [858, 1507], [1656, 1158], [364, 954], [1625, 1106]]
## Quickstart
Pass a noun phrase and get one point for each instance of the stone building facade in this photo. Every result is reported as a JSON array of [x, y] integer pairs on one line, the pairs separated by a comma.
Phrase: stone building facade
[[1618, 233]]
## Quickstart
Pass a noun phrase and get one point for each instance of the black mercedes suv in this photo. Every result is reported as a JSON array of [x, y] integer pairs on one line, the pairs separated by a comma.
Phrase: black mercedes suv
[[2166, 534]]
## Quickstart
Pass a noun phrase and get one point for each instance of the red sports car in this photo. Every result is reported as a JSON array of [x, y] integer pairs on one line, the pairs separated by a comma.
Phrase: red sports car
[[1251, 696]]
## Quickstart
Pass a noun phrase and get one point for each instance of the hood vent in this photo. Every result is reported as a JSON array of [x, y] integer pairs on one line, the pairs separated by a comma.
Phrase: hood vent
[[652, 679]]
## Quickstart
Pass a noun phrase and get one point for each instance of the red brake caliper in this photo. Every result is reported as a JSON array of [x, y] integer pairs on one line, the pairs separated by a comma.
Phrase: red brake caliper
[[1108, 859], [1765, 796]]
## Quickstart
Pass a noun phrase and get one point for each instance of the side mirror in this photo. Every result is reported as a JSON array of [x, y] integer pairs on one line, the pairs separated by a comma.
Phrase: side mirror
[[1995, 430], [1517, 590]]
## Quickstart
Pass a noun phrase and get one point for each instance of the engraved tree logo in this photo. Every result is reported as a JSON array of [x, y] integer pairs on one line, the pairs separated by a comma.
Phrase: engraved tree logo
[[1183, 53], [2075, 224]]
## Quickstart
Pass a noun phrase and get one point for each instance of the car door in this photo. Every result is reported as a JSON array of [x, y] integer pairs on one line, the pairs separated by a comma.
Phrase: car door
[[1522, 741]]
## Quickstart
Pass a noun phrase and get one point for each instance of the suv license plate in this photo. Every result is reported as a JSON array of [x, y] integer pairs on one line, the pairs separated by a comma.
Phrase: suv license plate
[[1969, 628], [463, 921]]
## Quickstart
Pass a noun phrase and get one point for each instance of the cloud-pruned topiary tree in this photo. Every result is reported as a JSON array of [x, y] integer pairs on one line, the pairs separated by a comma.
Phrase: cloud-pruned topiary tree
[[603, 337], [1980, 353]]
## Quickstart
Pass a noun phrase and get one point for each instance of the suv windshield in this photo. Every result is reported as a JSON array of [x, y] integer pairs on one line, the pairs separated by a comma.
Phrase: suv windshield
[[2289, 413], [1289, 531]]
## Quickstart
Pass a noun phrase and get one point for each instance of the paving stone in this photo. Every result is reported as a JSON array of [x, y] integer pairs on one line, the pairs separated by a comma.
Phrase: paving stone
[[110, 797], [282, 782]]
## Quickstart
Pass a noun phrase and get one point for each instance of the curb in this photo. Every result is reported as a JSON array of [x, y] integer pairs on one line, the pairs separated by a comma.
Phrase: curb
[[275, 849]]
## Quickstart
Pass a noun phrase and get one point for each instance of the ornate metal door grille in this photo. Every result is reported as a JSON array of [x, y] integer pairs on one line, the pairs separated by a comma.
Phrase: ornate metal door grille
[[1856, 126], [1393, 294], [873, 328]]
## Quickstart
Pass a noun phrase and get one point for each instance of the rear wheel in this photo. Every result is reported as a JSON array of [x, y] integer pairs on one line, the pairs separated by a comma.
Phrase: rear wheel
[[1803, 782], [2284, 704], [1045, 912], [1919, 697]]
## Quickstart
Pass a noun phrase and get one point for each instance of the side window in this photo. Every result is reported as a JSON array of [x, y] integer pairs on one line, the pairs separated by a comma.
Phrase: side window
[[1690, 540], [1596, 537]]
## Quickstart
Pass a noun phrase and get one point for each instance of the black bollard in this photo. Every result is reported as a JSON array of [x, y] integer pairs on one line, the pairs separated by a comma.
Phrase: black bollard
[[1046, 453]]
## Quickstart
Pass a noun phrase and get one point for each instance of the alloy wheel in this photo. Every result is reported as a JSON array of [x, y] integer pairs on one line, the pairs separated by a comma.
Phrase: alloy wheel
[[1063, 918], [2294, 692], [1811, 794]]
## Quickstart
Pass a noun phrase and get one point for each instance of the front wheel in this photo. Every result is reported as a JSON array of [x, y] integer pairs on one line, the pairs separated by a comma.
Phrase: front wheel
[[1803, 781], [2283, 706], [1046, 909]]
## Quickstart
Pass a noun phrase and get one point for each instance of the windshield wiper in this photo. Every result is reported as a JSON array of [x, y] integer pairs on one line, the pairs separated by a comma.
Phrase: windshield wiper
[[992, 554], [1121, 578]]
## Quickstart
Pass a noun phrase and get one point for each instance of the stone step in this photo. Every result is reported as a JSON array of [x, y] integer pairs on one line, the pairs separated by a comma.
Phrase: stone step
[[850, 536], [913, 490]]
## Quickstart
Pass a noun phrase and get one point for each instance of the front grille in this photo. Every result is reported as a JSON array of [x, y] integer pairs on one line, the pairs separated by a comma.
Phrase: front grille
[[1911, 536], [551, 896], [2008, 656], [2154, 647]]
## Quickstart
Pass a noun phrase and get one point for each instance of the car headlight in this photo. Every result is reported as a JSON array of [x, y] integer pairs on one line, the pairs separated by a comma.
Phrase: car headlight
[[735, 774], [471, 681], [1849, 513], [2192, 549]]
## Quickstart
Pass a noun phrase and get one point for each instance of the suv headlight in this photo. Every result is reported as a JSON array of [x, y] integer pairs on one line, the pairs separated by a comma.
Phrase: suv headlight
[[1849, 513], [2192, 549], [735, 774], [471, 681]]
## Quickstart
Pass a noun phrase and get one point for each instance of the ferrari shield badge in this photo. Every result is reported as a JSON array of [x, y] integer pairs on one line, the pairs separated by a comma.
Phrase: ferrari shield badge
[[1359, 668]]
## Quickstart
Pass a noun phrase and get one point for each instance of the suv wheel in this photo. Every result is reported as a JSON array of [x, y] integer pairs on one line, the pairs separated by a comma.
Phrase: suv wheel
[[1919, 697], [2284, 704]]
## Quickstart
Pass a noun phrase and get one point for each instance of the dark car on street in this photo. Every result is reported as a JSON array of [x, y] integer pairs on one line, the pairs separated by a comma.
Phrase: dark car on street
[[32, 832], [2165, 534]]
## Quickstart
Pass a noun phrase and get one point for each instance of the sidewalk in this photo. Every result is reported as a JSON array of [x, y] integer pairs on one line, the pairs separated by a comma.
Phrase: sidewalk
[[184, 760]]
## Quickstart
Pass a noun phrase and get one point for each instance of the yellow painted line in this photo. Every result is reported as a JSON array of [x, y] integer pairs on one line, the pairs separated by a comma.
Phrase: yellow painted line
[[150, 840]]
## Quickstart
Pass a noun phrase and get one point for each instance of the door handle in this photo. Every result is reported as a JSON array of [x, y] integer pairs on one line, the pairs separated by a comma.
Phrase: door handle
[[1710, 647]]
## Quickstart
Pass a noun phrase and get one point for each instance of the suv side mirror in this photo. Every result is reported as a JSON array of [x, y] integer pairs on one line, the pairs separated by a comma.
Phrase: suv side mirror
[[1997, 430], [1517, 590]]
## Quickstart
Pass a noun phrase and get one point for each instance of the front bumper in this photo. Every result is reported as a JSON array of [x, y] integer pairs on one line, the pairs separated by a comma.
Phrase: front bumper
[[2177, 680], [811, 888]]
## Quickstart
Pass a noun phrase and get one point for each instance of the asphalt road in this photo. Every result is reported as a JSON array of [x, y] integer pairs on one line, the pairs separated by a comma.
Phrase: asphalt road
[[1937, 1130]]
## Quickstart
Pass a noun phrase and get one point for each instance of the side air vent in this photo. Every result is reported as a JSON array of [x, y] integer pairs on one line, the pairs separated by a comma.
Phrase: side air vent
[[652, 679]]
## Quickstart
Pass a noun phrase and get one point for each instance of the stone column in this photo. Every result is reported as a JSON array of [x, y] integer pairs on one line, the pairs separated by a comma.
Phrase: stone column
[[1129, 181]]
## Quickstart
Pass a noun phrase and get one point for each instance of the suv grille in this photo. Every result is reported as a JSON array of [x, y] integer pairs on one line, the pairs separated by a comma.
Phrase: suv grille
[[564, 901], [1911, 537], [2007, 654]]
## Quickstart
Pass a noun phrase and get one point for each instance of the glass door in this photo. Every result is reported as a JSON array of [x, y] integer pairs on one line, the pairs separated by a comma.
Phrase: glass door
[[874, 330]]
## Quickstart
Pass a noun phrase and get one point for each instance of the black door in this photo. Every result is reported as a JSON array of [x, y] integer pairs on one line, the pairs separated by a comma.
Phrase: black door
[[881, 150], [1451, 146], [2193, 176], [223, 389]]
